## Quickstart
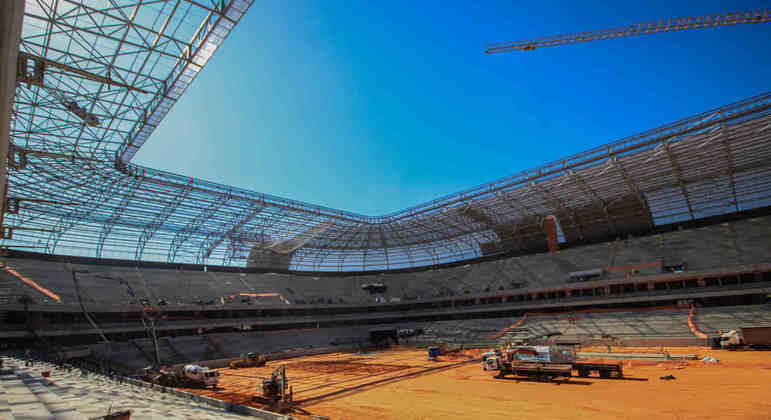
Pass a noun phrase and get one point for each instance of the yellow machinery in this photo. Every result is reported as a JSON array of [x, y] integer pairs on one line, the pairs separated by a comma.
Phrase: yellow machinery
[[249, 360]]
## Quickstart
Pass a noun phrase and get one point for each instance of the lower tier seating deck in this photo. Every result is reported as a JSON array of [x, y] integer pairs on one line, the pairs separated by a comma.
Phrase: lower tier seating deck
[[648, 323], [67, 395], [133, 355]]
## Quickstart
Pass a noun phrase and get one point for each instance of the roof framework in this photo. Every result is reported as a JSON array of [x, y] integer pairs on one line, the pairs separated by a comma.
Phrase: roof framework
[[74, 191]]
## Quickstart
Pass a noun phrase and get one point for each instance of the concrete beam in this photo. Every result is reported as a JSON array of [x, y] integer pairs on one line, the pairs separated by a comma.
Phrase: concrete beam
[[485, 310], [11, 17]]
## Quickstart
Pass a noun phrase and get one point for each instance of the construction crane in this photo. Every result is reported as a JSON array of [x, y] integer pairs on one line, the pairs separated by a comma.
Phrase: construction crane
[[671, 25]]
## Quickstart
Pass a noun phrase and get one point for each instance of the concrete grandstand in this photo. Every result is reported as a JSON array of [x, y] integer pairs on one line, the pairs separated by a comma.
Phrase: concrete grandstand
[[661, 236]]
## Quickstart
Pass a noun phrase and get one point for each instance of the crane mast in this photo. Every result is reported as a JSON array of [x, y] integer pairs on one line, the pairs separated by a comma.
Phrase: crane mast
[[671, 25]]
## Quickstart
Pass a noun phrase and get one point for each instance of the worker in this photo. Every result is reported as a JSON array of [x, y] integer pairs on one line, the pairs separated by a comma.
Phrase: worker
[[27, 359]]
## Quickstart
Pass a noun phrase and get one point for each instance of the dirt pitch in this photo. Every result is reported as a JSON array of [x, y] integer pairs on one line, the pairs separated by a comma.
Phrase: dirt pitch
[[403, 384]]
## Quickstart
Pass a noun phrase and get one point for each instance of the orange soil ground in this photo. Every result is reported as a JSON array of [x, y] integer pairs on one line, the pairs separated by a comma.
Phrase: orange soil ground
[[402, 384]]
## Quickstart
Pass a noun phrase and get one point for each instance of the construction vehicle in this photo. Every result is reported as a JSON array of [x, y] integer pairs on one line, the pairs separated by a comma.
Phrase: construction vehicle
[[731, 340], [525, 361], [276, 391], [750, 338], [189, 376], [544, 363], [433, 353], [250, 359], [440, 348], [757, 337], [540, 371]]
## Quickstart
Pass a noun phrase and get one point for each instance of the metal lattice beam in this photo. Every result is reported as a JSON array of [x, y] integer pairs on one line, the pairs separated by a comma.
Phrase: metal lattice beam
[[82, 212], [115, 216], [678, 171], [730, 162], [199, 49], [228, 230], [194, 225], [160, 218]]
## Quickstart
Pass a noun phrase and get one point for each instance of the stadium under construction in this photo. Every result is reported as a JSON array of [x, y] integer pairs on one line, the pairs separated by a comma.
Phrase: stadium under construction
[[658, 240]]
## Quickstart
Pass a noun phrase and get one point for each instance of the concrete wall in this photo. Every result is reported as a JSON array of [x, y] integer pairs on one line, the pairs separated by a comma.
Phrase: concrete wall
[[136, 354]]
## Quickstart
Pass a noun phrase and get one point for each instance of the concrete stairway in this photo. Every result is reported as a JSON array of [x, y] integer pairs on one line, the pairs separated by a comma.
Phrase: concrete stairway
[[9, 289], [710, 320], [214, 347], [5, 408], [25, 394], [29, 397], [148, 355], [176, 356], [516, 334]]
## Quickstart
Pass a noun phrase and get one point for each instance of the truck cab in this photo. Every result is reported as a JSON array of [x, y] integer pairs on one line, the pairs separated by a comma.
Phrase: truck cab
[[203, 375], [492, 363]]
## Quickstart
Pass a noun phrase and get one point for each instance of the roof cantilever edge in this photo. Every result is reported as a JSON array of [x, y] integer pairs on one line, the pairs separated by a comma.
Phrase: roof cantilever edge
[[210, 34]]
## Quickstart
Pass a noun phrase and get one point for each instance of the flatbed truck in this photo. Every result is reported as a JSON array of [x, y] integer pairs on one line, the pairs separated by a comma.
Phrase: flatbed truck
[[510, 363]]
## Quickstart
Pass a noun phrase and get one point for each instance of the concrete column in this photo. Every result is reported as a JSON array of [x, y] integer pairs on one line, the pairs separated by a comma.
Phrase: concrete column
[[11, 16]]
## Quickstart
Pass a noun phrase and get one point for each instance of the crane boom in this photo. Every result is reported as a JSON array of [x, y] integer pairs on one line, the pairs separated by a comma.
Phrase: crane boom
[[678, 24]]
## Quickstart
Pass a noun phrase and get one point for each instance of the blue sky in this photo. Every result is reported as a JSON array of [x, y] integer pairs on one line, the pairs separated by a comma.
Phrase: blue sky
[[373, 107]]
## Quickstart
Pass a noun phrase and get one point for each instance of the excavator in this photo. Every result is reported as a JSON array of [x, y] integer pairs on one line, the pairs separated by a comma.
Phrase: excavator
[[247, 360]]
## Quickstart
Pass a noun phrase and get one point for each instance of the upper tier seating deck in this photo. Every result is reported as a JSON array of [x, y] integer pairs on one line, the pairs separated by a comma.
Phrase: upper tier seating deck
[[711, 247]]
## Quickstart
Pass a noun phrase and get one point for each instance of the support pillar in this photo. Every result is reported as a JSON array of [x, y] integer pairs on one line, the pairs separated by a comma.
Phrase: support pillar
[[11, 17]]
